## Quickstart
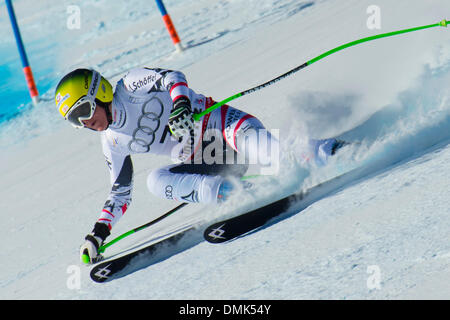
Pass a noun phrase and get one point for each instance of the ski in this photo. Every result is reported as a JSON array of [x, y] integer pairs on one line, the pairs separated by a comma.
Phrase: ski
[[114, 268], [234, 227], [242, 224]]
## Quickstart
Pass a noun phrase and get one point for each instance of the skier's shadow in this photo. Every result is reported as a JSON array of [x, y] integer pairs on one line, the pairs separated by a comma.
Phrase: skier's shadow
[[161, 251]]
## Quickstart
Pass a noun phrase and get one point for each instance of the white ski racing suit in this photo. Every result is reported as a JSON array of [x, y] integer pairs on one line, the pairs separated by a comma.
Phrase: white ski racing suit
[[142, 102]]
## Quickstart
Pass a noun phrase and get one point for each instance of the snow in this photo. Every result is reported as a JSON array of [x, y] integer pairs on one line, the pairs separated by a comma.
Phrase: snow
[[382, 236]]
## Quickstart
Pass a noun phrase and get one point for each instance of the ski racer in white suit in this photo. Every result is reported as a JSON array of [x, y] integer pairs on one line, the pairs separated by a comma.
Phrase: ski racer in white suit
[[151, 112]]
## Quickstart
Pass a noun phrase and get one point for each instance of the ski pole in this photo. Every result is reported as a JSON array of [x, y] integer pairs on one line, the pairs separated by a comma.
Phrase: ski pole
[[126, 234], [197, 116]]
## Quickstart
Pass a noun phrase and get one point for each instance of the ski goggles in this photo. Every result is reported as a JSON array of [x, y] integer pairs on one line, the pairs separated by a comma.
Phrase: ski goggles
[[84, 108]]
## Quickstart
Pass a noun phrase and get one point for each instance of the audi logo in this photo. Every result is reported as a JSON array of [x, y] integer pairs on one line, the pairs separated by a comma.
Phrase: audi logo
[[168, 192], [147, 126]]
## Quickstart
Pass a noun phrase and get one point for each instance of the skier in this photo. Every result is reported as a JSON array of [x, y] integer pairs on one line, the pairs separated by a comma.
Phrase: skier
[[151, 111]]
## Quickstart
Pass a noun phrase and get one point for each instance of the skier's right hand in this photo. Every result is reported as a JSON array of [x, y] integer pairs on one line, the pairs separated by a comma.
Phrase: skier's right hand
[[181, 120], [89, 250]]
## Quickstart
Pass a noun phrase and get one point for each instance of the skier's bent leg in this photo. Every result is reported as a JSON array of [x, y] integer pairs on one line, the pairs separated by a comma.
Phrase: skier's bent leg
[[251, 140], [258, 146], [191, 182], [262, 148], [183, 187]]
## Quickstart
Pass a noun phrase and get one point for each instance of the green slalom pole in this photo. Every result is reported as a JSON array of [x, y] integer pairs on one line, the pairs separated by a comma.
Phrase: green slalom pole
[[126, 234], [198, 116]]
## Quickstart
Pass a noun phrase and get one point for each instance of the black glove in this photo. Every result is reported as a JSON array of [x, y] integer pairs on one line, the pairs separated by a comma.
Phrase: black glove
[[181, 121]]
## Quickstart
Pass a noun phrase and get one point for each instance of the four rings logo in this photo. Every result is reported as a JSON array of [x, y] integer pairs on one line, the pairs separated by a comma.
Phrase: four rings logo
[[147, 126], [168, 192]]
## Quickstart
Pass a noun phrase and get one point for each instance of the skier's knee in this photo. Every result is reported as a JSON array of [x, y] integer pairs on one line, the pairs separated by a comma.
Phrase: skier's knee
[[154, 180]]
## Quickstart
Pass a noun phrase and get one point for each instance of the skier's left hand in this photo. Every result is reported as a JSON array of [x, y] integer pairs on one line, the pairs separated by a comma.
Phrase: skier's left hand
[[181, 120]]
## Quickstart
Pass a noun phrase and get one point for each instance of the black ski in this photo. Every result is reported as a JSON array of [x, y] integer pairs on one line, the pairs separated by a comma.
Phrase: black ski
[[118, 267], [234, 227], [240, 225]]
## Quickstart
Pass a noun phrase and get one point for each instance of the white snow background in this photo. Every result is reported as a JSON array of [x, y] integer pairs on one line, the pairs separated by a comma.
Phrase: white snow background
[[385, 235]]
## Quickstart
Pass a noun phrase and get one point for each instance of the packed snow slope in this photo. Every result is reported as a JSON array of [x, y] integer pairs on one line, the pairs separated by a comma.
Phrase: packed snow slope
[[384, 235]]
